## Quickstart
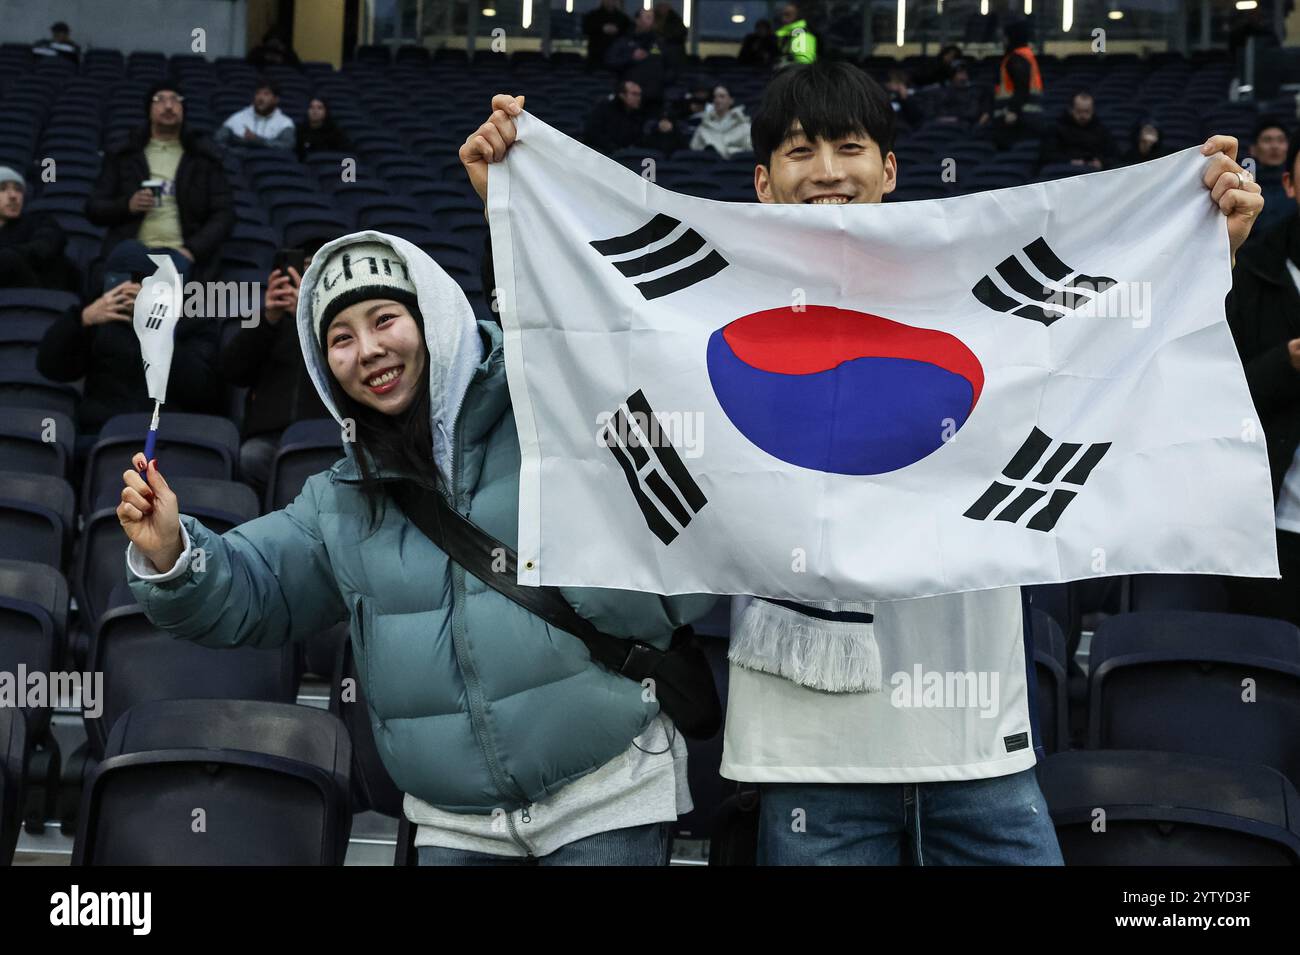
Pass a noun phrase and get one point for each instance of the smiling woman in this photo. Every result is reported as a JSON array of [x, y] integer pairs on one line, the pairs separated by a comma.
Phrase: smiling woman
[[481, 713]]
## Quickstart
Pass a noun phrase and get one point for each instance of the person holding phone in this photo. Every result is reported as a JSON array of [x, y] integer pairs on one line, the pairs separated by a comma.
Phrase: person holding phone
[[265, 358]]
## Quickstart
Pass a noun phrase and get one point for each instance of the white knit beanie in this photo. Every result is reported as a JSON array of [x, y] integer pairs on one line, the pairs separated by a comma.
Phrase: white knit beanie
[[357, 272]]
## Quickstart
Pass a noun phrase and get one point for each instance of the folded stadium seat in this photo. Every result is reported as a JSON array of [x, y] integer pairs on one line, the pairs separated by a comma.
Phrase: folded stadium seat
[[272, 779], [33, 632], [305, 208], [189, 445], [1050, 668], [141, 663], [1167, 809], [20, 337], [30, 389], [13, 752], [306, 448], [36, 517], [1202, 683], [302, 228], [372, 788], [1175, 592], [291, 182], [352, 192], [247, 255], [36, 441], [699, 186], [1061, 170], [100, 567]]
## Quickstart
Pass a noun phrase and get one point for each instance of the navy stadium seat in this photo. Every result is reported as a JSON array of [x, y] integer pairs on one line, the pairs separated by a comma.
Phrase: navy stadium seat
[[13, 755], [101, 566], [1200, 683], [33, 624], [1121, 807], [36, 517], [189, 445], [1053, 687], [1176, 592], [36, 441], [272, 779], [142, 663], [306, 448]]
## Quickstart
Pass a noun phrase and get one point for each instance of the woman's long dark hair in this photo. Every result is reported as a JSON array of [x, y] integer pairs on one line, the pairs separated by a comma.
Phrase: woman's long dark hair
[[402, 442]]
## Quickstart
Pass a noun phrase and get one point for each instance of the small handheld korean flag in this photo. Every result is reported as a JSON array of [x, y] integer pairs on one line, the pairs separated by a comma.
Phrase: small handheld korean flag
[[157, 309]]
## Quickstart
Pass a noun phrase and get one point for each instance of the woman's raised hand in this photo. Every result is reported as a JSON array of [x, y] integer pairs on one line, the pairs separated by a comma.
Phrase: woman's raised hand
[[150, 515]]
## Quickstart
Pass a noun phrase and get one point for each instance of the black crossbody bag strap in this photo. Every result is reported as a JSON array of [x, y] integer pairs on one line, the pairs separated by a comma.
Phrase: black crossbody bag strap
[[477, 551]]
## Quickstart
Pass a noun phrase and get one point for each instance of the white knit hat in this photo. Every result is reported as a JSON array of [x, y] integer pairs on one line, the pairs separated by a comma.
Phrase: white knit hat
[[357, 272], [8, 174]]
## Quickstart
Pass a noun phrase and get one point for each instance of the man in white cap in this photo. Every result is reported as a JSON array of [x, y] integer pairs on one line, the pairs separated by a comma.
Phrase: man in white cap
[[31, 245]]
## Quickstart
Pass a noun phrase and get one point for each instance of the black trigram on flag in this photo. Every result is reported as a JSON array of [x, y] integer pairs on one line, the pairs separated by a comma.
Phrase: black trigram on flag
[[660, 483], [1045, 297], [1052, 481], [685, 248], [156, 315]]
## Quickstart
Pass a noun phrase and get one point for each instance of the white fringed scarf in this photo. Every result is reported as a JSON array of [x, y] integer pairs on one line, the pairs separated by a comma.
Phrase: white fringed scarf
[[837, 656]]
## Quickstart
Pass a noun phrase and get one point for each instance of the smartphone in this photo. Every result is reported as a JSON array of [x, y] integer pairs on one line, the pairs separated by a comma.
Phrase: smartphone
[[286, 259]]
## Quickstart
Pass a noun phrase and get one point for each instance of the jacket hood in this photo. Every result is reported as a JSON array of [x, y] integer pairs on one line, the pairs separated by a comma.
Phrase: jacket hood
[[450, 331]]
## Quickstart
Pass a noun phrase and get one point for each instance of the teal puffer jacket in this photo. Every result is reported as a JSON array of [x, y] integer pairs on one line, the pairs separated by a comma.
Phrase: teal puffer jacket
[[475, 703]]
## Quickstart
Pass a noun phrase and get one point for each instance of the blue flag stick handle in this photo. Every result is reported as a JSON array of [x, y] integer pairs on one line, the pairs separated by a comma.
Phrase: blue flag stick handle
[[152, 439]]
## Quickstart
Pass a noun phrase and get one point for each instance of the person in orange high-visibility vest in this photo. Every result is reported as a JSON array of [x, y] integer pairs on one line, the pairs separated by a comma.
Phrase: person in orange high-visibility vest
[[1018, 93]]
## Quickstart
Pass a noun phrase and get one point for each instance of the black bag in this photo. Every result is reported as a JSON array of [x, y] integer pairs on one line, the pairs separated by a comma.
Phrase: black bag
[[682, 678]]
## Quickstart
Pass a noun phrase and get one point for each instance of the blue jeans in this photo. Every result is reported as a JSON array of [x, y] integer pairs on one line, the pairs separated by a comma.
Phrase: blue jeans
[[998, 821], [636, 845]]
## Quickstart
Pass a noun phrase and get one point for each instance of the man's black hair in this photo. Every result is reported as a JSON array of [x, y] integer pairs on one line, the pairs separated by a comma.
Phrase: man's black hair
[[60, 27], [1292, 151], [829, 99], [264, 84], [1270, 122]]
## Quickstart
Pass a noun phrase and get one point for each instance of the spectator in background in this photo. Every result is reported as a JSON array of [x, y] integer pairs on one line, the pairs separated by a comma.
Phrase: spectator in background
[[274, 50], [796, 43], [318, 132], [190, 214], [672, 37], [98, 343], [941, 69], [899, 86], [59, 43], [267, 360], [639, 58], [1146, 142], [690, 108], [1079, 138], [260, 124], [602, 26], [1264, 315], [1019, 90], [32, 243], [1268, 149], [724, 128], [958, 101], [616, 121], [664, 134], [760, 47]]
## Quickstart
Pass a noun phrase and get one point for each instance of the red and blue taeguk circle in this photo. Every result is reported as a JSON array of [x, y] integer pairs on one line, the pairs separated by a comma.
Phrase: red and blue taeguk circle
[[841, 391]]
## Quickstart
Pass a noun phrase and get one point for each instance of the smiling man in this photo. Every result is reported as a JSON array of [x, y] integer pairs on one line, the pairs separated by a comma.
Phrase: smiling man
[[880, 733]]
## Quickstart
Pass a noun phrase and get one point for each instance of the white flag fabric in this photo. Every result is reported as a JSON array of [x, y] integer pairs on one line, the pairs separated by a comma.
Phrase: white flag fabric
[[872, 402], [157, 310]]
